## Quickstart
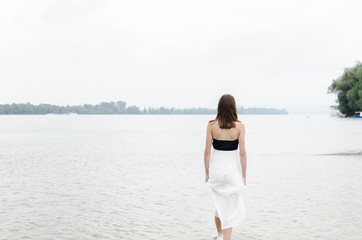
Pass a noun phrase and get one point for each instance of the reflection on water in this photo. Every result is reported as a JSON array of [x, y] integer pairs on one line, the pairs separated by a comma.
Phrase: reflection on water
[[142, 177]]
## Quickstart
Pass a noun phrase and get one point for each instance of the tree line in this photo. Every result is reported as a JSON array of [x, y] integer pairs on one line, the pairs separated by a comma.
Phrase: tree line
[[119, 107]]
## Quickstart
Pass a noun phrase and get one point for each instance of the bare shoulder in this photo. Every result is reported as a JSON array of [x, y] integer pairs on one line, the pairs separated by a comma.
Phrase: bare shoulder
[[211, 123], [240, 125]]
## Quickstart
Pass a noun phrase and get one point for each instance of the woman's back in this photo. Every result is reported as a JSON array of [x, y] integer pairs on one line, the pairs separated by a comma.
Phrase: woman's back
[[225, 134]]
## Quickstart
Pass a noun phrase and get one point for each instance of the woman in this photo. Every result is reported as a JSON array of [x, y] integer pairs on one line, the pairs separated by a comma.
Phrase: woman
[[225, 166]]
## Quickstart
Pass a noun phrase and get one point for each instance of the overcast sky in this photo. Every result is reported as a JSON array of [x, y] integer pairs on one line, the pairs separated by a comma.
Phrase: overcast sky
[[281, 54]]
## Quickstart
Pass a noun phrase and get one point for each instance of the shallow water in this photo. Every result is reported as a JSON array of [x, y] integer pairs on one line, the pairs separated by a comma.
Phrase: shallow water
[[142, 177]]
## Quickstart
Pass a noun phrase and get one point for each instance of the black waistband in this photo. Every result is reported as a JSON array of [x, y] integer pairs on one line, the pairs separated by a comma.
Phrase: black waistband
[[225, 145]]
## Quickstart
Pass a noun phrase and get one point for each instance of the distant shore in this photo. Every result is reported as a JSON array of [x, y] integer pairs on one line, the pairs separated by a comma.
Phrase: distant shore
[[119, 107]]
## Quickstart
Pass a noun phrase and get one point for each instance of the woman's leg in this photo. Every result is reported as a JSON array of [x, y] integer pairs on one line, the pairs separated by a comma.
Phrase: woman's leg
[[226, 233], [218, 225]]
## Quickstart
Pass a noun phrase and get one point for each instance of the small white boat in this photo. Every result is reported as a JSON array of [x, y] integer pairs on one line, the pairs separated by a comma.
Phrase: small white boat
[[358, 114]]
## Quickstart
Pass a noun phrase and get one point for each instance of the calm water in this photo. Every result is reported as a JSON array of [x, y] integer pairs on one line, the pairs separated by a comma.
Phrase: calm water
[[142, 177]]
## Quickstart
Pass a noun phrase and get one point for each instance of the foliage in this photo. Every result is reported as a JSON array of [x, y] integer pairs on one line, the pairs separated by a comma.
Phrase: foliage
[[348, 88]]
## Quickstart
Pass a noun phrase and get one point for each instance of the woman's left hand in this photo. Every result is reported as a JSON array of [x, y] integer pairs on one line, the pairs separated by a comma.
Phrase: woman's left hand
[[207, 177]]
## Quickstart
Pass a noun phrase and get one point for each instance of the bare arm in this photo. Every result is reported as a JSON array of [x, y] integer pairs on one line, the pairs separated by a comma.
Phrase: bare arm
[[207, 151], [242, 151]]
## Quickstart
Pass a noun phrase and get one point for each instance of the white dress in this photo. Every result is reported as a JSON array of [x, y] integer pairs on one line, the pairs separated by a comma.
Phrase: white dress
[[225, 180]]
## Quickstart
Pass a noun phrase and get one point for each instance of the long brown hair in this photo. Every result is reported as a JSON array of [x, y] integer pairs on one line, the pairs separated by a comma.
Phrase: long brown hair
[[226, 112]]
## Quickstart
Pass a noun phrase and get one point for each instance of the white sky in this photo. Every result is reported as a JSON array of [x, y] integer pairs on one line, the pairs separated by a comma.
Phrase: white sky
[[281, 54]]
